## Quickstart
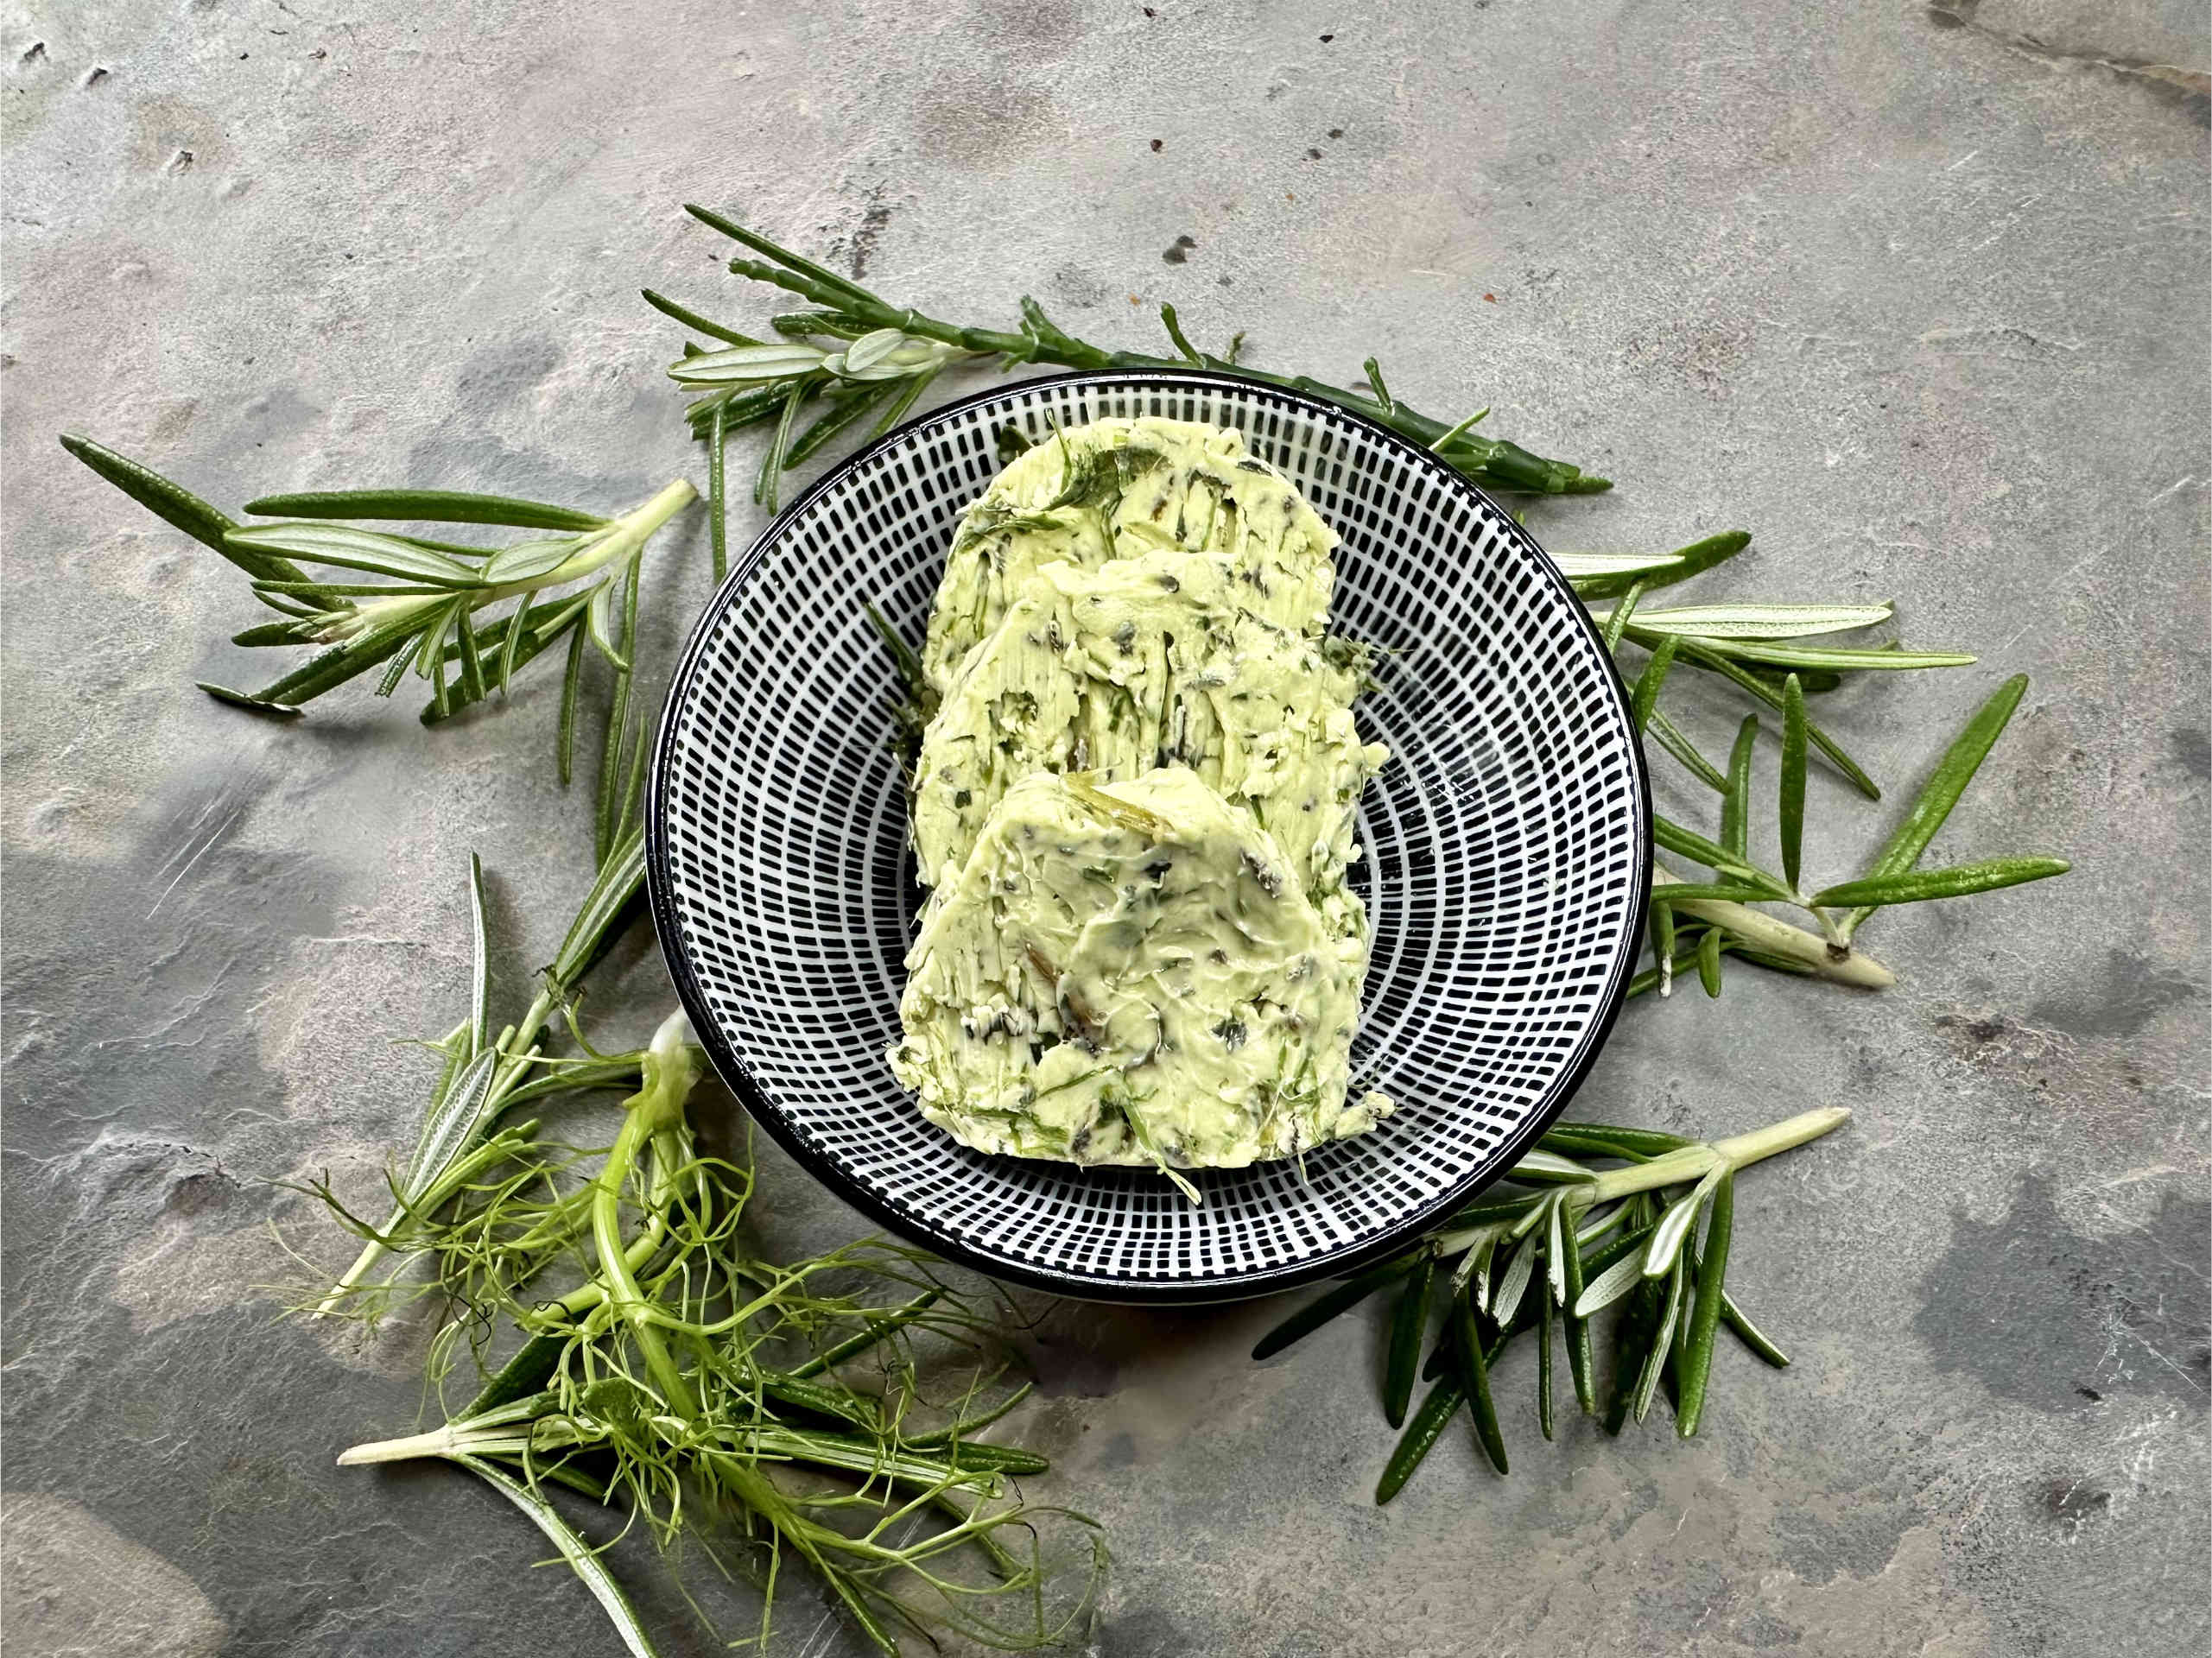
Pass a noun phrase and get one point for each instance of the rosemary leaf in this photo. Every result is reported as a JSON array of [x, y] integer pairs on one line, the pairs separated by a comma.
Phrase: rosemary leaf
[[1792, 805], [1692, 560], [250, 704], [178, 506], [1475, 1375], [1408, 1323], [1943, 789], [1708, 962], [1705, 1315], [1700, 655], [1669, 736], [1420, 1437], [1319, 1311], [1735, 804], [1914, 886], [425, 506]]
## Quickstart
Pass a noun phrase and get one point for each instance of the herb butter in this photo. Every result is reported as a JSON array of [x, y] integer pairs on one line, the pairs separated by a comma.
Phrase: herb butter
[[1135, 799], [1152, 662], [1116, 489], [1129, 972]]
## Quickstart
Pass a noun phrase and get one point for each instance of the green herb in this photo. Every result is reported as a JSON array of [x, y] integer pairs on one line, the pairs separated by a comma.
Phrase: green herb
[[868, 341], [424, 610], [1583, 1238], [651, 1363], [1774, 653], [821, 1414]]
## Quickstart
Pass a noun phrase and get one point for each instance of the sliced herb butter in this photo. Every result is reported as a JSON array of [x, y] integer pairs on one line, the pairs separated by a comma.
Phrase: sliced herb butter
[[1153, 662], [1118, 488], [1135, 799], [1130, 971]]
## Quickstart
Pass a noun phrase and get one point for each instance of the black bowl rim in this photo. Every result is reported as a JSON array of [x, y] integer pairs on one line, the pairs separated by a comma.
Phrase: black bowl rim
[[919, 1231]]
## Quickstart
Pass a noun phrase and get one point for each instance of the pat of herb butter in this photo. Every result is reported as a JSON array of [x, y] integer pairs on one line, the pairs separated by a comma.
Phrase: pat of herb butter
[[1117, 489], [1153, 662], [1132, 971]]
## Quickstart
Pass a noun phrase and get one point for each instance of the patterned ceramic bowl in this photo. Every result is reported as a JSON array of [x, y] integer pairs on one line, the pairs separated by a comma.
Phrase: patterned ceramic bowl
[[1508, 847]]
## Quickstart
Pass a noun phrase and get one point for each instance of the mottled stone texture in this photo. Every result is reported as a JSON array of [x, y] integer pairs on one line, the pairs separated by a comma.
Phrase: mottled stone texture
[[1916, 293]]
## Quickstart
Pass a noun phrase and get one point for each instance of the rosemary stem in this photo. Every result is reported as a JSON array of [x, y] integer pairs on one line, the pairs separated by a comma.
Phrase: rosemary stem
[[1740, 1150], [1494, 461], [1681, 1167], [1764, 932]]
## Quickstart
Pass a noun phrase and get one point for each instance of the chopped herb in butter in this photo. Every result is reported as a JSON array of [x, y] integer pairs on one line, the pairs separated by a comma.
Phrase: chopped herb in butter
[[1134, 800], [1143, 663], [1129, 972], [1117, 489]]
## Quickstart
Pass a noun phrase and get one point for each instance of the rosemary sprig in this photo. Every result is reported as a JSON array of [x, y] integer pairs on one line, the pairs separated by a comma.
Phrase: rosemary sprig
[[1722, 907], [1577, 1240], [425, 608], [875, 345], [856, 345]]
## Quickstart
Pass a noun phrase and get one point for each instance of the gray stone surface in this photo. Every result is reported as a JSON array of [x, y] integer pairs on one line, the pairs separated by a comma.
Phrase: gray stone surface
[[1917, 293]]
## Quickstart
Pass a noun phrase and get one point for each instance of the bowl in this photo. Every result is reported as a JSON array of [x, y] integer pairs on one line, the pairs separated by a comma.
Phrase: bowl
[[1508, 850]]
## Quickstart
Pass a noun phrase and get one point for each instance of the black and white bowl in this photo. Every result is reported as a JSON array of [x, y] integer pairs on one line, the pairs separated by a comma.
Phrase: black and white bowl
[[1508, 847]]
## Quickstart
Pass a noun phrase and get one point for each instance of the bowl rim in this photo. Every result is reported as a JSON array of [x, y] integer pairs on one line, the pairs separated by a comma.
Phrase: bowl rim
[[735, 1074]]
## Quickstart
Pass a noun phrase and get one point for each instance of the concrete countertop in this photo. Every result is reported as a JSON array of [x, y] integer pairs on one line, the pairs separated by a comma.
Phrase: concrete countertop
[[1917, 293]]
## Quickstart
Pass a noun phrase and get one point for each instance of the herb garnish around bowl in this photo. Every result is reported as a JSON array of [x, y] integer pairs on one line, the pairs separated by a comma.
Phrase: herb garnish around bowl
[[648, 1361]]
